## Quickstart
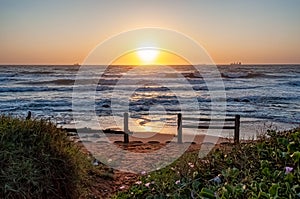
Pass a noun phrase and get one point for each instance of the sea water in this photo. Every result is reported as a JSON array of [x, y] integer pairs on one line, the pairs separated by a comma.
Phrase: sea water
[[263, 95]]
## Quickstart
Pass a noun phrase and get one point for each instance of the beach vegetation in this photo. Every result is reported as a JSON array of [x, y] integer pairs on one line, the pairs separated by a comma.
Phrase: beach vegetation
[[265, 168], [38, 160]]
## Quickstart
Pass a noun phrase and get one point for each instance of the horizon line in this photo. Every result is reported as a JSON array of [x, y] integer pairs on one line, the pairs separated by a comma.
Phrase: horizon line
[[78, 64]]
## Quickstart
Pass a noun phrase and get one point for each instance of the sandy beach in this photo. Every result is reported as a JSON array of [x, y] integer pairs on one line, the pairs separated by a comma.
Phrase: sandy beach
[[145, 151]]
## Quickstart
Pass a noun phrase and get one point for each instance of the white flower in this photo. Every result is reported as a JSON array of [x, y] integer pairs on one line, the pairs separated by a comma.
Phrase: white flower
[[147, 184], [138, 182], [122, 187], [177, 182], [143, 172], [191, 165]]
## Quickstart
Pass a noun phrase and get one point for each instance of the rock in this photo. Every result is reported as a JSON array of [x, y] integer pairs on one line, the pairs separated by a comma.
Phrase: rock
[[95, 162], [217, 179]]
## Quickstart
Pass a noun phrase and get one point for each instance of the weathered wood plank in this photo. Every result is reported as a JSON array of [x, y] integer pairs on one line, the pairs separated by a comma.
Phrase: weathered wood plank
[[235, 120]]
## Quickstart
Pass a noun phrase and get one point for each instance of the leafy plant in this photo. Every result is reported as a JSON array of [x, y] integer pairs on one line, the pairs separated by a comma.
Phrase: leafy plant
[[264, 168]]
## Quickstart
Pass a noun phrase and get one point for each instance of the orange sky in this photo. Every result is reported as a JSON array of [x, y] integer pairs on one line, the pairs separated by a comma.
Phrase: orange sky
[[65, 32]]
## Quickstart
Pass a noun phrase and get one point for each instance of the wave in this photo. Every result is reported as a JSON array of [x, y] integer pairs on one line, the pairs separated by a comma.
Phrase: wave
[[8, 75], [200, 88], [36, 72], [193, 75], [8, 109], [69, 82], [34, 89], [147, 89], [241, 75], [153, 101], [39, 102], [61, 82], [293, 83], [56, 82], [242, 87], [263, 99]]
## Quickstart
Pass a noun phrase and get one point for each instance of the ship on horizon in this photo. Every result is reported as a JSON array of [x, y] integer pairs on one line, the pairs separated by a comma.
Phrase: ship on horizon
[[235, 64]]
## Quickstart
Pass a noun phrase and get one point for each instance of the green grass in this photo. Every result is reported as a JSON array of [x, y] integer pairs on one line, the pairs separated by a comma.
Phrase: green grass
[[39, 161], [251, 170]]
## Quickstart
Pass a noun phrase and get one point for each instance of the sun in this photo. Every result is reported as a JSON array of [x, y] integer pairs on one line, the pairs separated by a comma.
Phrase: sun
[[150, 56], [147, 55]]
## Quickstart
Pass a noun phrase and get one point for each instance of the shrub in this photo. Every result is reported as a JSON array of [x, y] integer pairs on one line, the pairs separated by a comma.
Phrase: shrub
[[39, 161]]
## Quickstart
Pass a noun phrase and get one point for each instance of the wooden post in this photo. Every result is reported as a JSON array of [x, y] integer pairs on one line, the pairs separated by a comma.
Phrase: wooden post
[[237, 129], [179, 128], [126, 129]]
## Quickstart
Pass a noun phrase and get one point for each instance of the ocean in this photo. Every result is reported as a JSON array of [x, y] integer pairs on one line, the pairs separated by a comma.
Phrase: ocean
[[265, 96]]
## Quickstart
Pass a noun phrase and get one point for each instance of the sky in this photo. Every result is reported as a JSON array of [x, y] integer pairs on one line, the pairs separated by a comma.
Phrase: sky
[[66, 31]]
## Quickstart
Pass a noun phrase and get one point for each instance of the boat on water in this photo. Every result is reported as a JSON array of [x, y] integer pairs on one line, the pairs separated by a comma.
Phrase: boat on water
[[236, 64]]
